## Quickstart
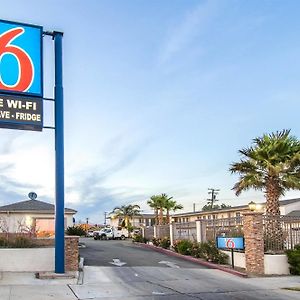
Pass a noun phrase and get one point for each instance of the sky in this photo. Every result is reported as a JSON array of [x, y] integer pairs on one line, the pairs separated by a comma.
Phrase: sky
[[159, 97]]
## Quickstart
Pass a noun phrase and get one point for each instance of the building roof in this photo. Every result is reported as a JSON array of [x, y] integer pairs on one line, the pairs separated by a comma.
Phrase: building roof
[[143, 215], [32, 206], [233, 208], [294, 213]]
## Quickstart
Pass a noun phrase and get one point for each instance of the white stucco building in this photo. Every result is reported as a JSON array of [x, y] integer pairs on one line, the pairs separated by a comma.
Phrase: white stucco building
[[32, 216]]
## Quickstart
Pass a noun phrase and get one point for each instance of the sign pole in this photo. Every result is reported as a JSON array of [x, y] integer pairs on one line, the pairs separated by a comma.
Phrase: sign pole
[[59, 157]]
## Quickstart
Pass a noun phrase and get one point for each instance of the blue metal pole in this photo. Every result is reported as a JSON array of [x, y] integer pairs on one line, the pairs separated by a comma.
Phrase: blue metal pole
[[59, 158]]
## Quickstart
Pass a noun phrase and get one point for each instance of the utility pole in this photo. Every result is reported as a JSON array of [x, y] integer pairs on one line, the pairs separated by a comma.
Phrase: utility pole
[[105, 213], [213, 192]]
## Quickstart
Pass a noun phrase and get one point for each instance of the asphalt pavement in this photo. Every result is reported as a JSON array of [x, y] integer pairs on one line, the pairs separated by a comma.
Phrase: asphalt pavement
[[121, 270]]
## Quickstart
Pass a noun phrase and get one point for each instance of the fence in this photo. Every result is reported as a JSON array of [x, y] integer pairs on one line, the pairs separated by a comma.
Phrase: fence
[[162, 231], [148, 232], [231, 227], [280, 233], [185, 231]]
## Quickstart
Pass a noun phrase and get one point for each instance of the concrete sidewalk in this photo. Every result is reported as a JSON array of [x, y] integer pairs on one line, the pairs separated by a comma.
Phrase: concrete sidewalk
[[146, 283], [24, 286]]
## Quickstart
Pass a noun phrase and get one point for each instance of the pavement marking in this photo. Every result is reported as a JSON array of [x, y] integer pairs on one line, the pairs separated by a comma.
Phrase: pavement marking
[[117, 262], [158, 293], [169, 264]]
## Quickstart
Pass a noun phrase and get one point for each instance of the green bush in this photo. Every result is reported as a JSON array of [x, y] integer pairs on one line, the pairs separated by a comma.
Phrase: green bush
[[183, 247], [3, 243], [165, 243], [209, 252], [294, 260], [21, 242], [75, 230], [155, 241], [138, 238]]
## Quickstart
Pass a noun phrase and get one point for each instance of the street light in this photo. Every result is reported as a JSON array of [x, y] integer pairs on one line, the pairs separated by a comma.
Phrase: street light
[[252, 206]]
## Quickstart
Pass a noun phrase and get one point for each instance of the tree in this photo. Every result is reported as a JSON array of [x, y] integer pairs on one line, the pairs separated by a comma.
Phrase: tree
[[207, 207], [171, 205], [154, 203], [271, 165], [161, 203], [127, 212]]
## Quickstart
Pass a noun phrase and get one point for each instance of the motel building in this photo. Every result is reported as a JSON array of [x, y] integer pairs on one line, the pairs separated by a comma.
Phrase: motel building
[[289, 207], [32, 217]]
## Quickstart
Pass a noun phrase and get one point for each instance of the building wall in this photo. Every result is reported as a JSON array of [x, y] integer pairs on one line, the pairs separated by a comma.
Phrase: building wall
[[208, 215], [16, 221], [191, 217], [137, 221], [284, 210]]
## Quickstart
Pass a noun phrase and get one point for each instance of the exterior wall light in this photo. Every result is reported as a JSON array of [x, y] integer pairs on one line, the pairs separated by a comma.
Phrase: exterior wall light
[[252, 206]]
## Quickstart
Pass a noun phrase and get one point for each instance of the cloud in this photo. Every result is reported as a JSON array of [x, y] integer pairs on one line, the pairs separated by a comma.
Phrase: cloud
[[193, 24], [88, 191], [11, 190]]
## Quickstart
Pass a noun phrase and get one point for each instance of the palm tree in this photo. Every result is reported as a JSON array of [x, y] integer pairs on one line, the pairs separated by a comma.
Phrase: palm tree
[[171, 205], [162, 201], [154, 204], [127, 212], [272, 165]]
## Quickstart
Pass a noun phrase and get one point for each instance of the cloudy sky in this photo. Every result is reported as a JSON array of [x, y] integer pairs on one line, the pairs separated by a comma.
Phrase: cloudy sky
[[159, 97]]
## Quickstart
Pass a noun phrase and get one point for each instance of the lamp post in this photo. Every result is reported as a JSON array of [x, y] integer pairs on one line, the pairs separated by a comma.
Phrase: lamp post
[[252, 206]]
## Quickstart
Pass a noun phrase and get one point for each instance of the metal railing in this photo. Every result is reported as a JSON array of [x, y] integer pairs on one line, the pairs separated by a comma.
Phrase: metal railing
[[281, 233], [212, 228]]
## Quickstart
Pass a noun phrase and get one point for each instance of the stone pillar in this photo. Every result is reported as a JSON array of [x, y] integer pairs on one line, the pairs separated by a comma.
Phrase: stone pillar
[[254, 243], [71, 253]]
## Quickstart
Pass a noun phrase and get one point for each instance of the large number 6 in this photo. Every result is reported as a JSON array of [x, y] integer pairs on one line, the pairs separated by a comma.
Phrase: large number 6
[[26, 69]]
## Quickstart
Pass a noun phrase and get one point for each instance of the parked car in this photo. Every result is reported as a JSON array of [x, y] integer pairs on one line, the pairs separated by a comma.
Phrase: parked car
[[111, 234], [90, 233]]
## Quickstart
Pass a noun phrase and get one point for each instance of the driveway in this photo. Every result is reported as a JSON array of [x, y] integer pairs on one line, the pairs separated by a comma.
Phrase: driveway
[[104, 253], [121, 270]]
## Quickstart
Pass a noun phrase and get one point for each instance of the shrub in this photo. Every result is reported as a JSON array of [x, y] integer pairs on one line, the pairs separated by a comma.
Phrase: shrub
[[139, 239], [294, 260], [75, 230], [3, 242], [21, 242], [155, 241], [209, 252], [184, 247], [165, 243]]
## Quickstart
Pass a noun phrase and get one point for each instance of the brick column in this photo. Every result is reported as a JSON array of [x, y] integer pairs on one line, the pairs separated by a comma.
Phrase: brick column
[[254, 243], [71, 253]]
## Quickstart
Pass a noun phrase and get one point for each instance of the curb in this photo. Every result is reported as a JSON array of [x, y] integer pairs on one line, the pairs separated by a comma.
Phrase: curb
[[193, 259]]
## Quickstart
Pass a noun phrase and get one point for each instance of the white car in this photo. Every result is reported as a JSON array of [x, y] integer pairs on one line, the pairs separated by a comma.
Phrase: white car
[[90, 233], [111, 233]]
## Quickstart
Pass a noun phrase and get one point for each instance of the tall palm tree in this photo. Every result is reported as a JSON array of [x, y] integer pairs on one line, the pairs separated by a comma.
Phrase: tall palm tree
[[127, 212], [154, 204], [272, 165], [171, 205], [163, 202]]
